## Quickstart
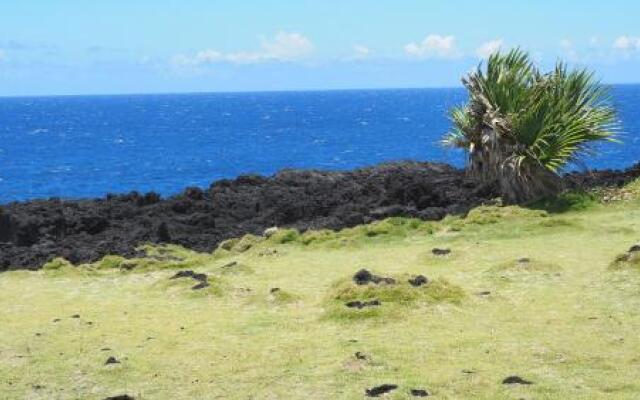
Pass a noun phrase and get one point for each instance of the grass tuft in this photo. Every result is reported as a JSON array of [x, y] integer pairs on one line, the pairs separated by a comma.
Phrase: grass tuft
[[316, 237], [278, 296], [282, 236], [526, 265], [57, 264], [567, 201], [400, 293], [246, 242]]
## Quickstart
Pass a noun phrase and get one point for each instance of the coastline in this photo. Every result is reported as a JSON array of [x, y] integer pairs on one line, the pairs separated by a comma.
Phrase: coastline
[[33, 232]]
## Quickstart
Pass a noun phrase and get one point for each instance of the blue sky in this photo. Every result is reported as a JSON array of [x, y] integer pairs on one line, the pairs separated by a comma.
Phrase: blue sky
[[144, 46]]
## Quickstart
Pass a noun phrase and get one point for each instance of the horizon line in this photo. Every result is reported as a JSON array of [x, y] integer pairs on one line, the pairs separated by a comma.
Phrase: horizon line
[[256, 91]]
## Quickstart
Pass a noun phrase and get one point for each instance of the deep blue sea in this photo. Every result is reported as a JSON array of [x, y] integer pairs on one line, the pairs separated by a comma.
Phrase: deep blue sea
[[87, 146]]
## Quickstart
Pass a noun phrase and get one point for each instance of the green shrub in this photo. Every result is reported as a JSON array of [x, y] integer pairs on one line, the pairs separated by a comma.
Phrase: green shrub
[[318, 236], [110, 262], [284, 236], [245, 243], [566, 201], [56, 264]]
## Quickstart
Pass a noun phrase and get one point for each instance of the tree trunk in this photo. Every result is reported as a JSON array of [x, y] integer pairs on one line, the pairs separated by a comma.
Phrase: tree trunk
[[527, 183], [492, 163]]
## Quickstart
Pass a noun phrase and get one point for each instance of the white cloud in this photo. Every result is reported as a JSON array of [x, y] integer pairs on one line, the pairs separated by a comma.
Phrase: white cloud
[[282, 47], [287, 47], [433, 46], [566, 43], [627, 43], [360, 51], [488, 48]]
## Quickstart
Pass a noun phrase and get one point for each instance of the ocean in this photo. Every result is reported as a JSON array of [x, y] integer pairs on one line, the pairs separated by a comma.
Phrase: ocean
[[87, 146]]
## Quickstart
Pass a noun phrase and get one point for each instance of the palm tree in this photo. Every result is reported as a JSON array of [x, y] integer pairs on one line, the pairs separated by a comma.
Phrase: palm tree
[[520, 127]]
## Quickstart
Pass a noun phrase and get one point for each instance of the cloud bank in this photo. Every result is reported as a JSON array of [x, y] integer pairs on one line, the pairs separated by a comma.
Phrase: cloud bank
[[433, 46], [283, 47]]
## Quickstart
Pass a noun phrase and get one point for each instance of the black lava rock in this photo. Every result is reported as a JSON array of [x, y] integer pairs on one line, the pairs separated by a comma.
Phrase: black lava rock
[[112, 360], [377, 391], [362, 304], [418, 281], [34, 232], [515, 380], [440, 252], [201, 285], [362, 277]]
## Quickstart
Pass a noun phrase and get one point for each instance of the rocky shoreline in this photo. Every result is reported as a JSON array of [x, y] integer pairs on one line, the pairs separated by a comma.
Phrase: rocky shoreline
[[33, 232]]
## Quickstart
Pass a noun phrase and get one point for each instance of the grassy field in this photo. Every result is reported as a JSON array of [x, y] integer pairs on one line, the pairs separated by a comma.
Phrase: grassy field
[[533, 293]]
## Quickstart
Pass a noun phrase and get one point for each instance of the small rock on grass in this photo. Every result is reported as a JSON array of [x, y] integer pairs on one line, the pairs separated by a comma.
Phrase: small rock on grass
[[112, 360], [120, 397], [515, 380], [377, 391], [231, 264], [190, 274], [360, 355], [201, 285], [418, 281], [419, 393], [440, 252], [363, 277], [362, 304]]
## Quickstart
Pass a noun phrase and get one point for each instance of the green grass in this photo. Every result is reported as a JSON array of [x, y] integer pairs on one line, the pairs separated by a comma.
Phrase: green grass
[[565, 318]]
